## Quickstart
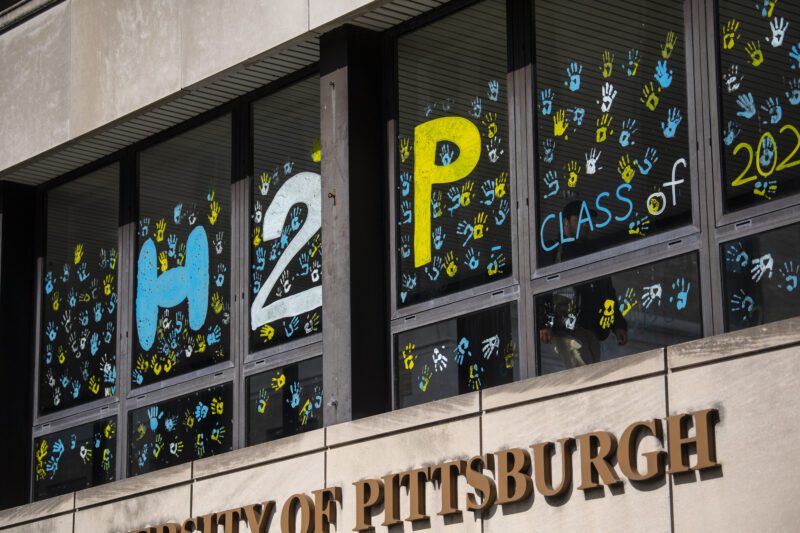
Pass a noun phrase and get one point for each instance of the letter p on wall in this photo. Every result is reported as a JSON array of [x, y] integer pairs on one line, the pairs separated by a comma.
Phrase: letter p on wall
[[464, 134]]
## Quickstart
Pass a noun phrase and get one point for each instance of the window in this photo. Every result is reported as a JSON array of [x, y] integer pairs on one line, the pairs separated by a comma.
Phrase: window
[[612, 127], [647, 307], [460, 355], [74, 458], [453, 193], [286, 266], [78, 360], [182, 300], [181, 429], [284, 401], [760, 100]]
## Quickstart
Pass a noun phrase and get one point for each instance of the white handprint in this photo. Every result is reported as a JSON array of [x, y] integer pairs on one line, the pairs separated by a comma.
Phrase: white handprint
[[591, 160], [762, 265]]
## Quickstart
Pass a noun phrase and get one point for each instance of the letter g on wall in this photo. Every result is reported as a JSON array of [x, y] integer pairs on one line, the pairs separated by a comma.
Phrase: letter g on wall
[[188, 282]]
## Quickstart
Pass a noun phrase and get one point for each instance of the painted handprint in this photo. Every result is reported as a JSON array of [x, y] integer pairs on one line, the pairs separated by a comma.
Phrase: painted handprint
[[651, 294], [560, 123], [674, 119], [732, 79], [669, 45], [766, 7], [439, 359], [592, 158], [747, 106], [732, 131], [766, 188], [546, 102], [663, 75], [608, 94], [753, 49], [742, 303], [573, 171], [632, 64], [626, 169], [761, 265], [604, 130], [649, 160], [730, 34], [773, 109], [629, 129], [681, 296], [574, 71], [607, 64], [551, 181], [490, 346], [778, 27], [548, 150], [627, 301], [493, 90], [650, 96]]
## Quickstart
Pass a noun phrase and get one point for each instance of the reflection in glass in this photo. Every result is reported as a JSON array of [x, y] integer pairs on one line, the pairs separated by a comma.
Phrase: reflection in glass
[[78, 361], [760, 276], [181, 429], [286, 252], [464, 354], [646, 307], [453, 191], [611, 124], [183, 266], [74, 459], [759, 87], [284, 401]]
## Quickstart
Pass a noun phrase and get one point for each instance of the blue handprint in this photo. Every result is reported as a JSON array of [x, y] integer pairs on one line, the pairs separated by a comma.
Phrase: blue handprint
[[65, 273], [214, 335], [551, 180], [294, 389], [663, 75], [434, 269], [574, 73], [767, 151], [746, 105], [682, 287], [221, 269], [731, 132], [628, 130], [493, 90], [52, 466], [438, 237], [472, 259], [49, 283], [466, 229], [51, 331], [549, 148], [742, 303], [633, 63], [112, 303], [291, 327], [65, 381], [296, 221], [405, 246], [650, 159], [406, 213], [172, 244], [82, 272], [546, 97], [275, 251], [674, 119], [446, 155], [256, 283], [261, 259], [488, 191], [94, 343], [176, 213], [200, 411], [405, 183], [83, 318], [462, 350], [48, 356], [171, 423], [502, 212], [795, 54], [76, 388], [577, 114], [303, 261], [477, 107], [454, 195], [773, 108], [110, 374], [284, 240], [108, 334], [790, 275], [98, 312], [793, 94], [409, 281], [138, 377], [154, 414]]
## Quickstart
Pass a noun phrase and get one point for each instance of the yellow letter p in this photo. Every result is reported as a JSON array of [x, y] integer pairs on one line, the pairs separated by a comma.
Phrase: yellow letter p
[[464, 134]]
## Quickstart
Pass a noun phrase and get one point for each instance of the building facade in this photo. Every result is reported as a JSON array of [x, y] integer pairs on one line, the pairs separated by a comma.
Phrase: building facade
[[435, 265]]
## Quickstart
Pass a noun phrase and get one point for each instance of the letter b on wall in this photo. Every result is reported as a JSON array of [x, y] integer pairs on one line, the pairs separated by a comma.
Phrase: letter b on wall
[[188, 282]]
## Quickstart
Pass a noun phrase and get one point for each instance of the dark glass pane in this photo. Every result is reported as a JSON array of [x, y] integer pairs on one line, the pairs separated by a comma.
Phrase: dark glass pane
[[612, 124], [464, 354], [74, 459], [646, 307], [760, 275], [284, 401], [78, 362], [286, 269], [183, 261], [181, 429], [759, 51], [453, 194]]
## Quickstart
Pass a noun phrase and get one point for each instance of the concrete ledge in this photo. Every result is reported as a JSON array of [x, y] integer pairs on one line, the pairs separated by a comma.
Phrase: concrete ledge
[[575, 380], [126, 488], [735, 344], [38, 510], [252, 456], [403, 419]]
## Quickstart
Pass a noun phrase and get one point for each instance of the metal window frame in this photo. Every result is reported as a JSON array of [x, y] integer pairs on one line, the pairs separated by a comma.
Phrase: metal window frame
[[507, 289]]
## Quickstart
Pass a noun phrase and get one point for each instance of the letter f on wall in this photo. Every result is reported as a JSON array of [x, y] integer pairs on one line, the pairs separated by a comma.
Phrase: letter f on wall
[[427, 136], [188, 282]]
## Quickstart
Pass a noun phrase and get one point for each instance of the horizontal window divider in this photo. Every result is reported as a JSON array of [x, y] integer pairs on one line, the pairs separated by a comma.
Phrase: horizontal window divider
[[75, 419], [618, 253], [456, 309], [645, 256], [261, 361], [759, 224], [179, 385], [776, 209], [77, 410], [290, 346], [423, 307]]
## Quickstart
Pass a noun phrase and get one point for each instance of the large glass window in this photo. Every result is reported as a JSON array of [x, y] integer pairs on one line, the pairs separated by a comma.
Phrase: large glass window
[[286, 251], [181, 429], [74, 459], [284, 401], [182, 300], [611, 123], [460, 355], [759, 51], [452, 194], [645, 307], [760, 276], [78, 359]]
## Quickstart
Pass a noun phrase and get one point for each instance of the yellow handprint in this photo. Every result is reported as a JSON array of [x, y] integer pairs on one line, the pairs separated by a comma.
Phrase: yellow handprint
[[267, 332], [142, 364], [669, 45], [604, 130], [650, 96], [629, 301], [256, 236], [160, 227], [560, 124], [216, 303], [107, 283], [753, 49], [141, 430], [156, 364], [109, 430], [607, 314], [162, 260], [405, 149], [78, 253], [491, 124], [500, 185], [169, 362], [215, 209], [217, 406], [316, 151], [158, 446], [450, 266], [408, 356], [201, 344], [730, 34], [278, 382], [608, 63], [626, 169], [94, 386], [466, 194], [478, 224], [61, 355], [56, 300], [574, 170], [188, 419]]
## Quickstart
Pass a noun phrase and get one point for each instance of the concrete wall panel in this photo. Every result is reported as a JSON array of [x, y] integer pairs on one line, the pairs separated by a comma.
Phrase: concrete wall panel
[[153, 508]]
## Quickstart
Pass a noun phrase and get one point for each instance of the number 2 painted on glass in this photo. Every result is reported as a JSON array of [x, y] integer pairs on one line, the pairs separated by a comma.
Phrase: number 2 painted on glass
[[303, 188]]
